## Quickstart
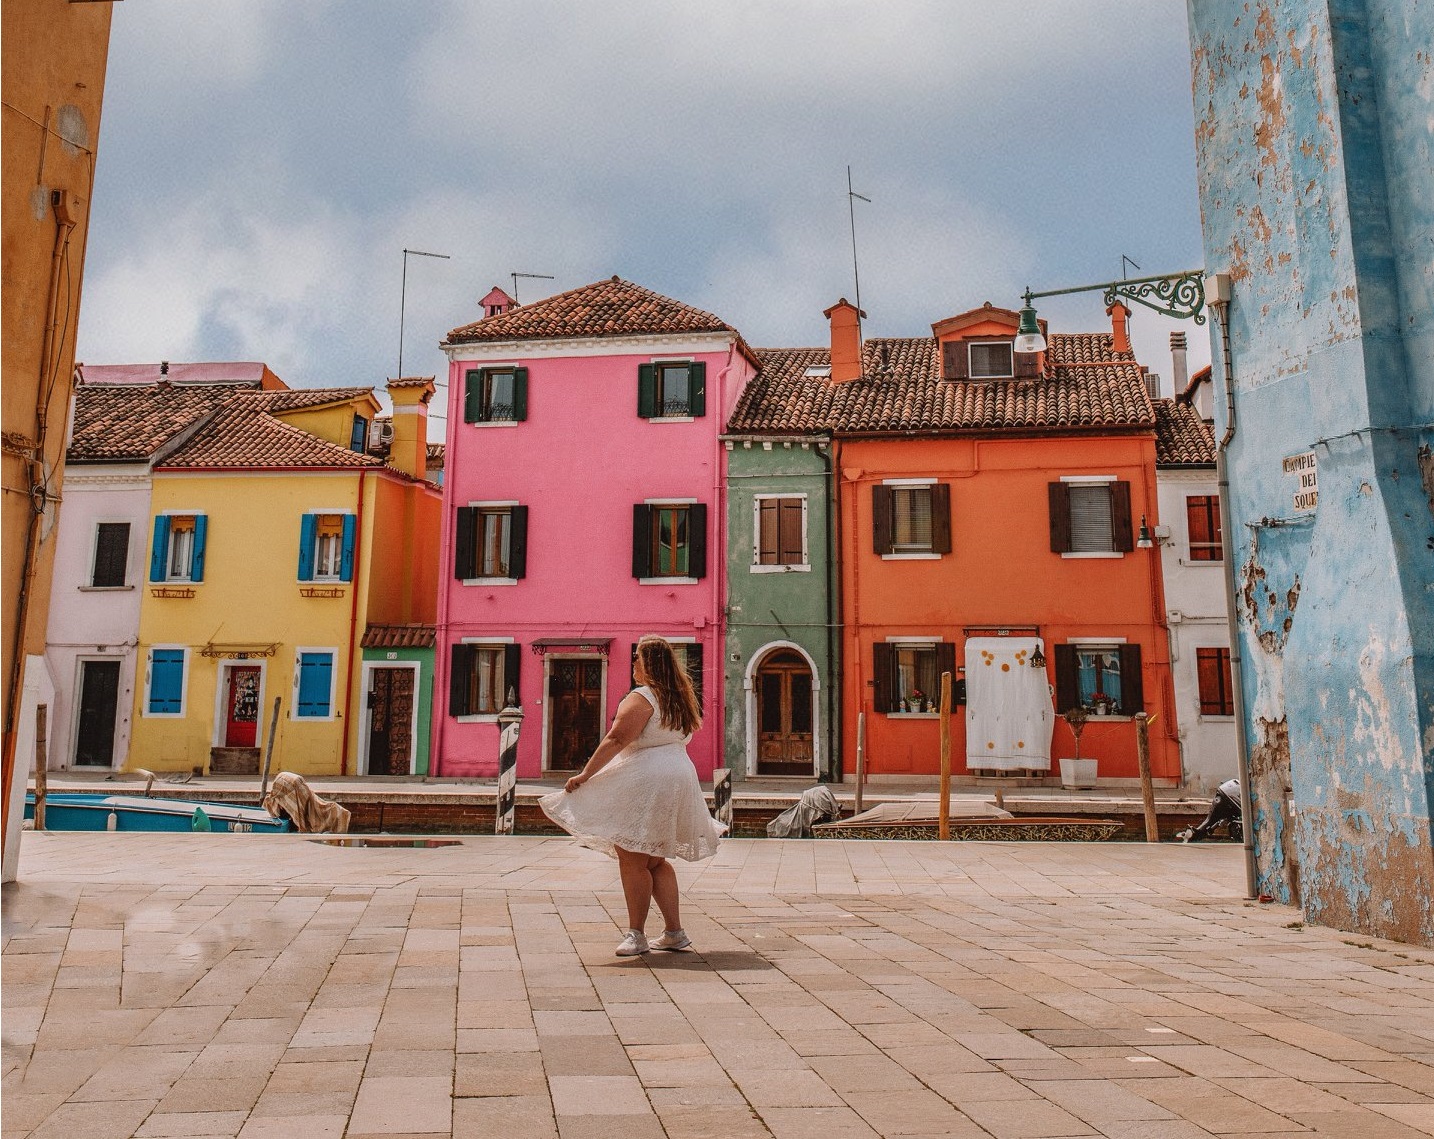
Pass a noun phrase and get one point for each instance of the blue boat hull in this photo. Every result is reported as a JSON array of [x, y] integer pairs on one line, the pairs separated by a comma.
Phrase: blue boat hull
[[89, 812]]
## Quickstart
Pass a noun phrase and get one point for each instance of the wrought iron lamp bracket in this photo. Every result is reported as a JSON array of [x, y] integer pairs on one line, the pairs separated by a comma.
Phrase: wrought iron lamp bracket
[[1178, 295]]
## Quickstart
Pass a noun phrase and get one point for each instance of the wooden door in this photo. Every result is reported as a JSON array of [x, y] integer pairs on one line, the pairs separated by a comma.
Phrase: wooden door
[[241, 723], [99, 698], [390, 724], [575, 726], [784, 715]]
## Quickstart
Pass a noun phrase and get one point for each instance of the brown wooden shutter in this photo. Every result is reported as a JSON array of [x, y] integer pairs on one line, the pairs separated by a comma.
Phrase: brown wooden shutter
[[881, 525], [768, 543], [1028, 365], [1132, 682], [883, 673], [518, 542], [460, 669], [697, 540], [1120, 523], [955, 360], [465, 544], [1060, 505], [1067, 681], [641, 540], [789, 532], [512, 668], [945, 662], [941, 518]]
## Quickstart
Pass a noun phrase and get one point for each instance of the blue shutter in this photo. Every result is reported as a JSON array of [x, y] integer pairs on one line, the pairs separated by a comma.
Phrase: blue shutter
[[346, 558], [308, 531], [159, 552], [196, 561], [315, 681], [166, 681]]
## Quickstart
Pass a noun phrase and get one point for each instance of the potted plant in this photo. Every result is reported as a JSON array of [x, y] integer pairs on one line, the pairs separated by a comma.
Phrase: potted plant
[[919, 702], [1077, 772]]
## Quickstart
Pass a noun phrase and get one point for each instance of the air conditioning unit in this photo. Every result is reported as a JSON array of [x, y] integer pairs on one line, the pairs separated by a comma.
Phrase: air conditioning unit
[[380, 434]]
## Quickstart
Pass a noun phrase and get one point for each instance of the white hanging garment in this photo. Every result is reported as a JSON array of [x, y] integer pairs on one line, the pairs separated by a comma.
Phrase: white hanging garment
[[1009, 714]]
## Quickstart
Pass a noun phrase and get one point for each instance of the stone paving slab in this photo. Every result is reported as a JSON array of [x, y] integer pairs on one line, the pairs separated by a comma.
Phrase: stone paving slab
[[267, 987]]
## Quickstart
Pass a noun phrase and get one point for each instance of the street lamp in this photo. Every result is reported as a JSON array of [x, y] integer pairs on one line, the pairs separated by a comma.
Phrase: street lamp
[[1179, 295]]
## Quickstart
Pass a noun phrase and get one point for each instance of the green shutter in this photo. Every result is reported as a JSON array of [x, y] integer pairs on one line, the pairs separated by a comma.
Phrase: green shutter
[[472, 396], [698, 388], [697, 540], [518, 542], [460, 664], [646, 391], [520, 394], [465, 544], [641, 540]]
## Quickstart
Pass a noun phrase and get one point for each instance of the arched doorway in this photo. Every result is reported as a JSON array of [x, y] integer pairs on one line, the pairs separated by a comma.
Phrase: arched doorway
[[783, 690]]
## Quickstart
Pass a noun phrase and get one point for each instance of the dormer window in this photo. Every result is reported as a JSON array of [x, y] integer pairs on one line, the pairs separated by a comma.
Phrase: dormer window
[[991, 360]]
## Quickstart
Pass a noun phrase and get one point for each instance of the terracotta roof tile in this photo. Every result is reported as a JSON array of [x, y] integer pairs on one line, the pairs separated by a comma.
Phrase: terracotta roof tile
[[1087, 386], [399, 637], [605, 308], [411, 382], [296, 399], [245, 434], [1182, 438], [130, 422]]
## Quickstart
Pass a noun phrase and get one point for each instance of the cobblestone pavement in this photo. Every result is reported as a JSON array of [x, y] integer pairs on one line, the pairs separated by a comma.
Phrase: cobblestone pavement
[[275, 987]]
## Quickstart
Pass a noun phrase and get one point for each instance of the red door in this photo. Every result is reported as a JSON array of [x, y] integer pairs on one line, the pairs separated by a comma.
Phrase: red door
[[241, 726]]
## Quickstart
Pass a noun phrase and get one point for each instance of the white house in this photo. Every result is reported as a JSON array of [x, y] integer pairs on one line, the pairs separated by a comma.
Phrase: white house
[[1193, 565], [125, 417]]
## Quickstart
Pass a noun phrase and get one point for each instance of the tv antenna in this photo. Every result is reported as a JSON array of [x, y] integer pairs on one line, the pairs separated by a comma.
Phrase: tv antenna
[[1124, 261], [527, 276], [403, 297], [851, 197]]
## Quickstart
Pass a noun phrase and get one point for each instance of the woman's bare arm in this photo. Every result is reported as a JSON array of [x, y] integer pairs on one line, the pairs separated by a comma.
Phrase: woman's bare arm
[[632, 716]]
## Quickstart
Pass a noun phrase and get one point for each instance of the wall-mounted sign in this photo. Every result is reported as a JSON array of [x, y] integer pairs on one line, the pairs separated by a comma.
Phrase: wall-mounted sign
[[1305, 472]]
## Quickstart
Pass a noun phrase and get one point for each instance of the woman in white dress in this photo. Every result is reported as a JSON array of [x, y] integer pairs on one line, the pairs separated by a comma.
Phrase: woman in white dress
[[637, 798]]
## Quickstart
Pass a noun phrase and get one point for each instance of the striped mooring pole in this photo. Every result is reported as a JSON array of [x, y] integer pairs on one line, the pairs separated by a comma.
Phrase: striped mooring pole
[[722, 795], [510, 719]]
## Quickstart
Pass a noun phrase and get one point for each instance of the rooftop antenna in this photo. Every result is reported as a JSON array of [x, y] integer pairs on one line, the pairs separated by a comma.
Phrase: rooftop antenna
[[851, 196], [530, 276], [1124, 261], [403, 298]]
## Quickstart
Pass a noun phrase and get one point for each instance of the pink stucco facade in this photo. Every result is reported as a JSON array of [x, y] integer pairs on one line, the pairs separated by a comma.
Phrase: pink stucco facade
[[579, 462]]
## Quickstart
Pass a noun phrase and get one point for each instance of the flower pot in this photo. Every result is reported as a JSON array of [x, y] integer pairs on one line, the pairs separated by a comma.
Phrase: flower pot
[[1078, 772]]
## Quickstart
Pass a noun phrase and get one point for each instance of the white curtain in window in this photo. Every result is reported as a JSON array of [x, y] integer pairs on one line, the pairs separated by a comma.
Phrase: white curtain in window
[[1009, 711]]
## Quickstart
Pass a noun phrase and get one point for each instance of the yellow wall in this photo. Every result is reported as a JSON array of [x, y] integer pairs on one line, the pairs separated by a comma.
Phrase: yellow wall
[[334, 422], [251, 595]]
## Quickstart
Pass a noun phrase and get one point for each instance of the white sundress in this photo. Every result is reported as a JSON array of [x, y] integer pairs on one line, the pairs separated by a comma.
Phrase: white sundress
[[646, 800]]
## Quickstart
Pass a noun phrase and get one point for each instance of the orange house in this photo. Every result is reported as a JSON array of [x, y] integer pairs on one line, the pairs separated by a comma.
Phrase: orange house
[[991, 505]]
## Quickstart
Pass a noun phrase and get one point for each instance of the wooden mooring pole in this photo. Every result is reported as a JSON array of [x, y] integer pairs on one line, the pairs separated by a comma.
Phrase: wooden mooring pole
[[1147, 787], [860, 757], [943, 819], [268, 754], [42, 764]]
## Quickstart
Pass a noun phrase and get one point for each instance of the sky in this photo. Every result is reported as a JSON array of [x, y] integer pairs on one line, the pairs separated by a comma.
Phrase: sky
[[263, 164]]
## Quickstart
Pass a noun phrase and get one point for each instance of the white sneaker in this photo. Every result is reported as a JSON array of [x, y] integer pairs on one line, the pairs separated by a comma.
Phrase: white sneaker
[[633, 945], [672, 939]]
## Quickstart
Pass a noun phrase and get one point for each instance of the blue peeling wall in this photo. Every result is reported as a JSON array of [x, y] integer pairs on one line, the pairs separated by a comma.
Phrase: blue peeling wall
[[1315, 145]]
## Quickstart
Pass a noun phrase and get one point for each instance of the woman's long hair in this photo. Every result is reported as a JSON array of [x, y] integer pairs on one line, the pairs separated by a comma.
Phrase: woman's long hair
[[677, 706]]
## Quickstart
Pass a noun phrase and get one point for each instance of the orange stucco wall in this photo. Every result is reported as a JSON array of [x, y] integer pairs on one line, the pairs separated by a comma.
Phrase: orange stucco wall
[[1000, 572]]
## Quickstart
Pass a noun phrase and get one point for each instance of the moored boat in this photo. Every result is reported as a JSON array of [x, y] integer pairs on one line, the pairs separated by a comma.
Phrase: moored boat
[[77, 811], [969, 822]]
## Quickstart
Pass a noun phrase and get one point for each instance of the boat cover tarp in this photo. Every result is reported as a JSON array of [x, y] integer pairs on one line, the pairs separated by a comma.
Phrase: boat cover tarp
[[817, 805], [290, 796]]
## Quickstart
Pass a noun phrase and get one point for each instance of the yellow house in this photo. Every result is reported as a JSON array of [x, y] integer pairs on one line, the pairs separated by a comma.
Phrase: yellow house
[[277, 539]]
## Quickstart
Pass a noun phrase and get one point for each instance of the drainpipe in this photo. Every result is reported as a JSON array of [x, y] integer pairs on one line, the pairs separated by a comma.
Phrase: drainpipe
[[832, 774], [1221, 310], [353, 625]]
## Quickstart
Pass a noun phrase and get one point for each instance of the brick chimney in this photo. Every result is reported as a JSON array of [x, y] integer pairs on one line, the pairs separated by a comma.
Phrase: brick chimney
[[1179, 365], [845, 320], [496, 303], [1119, 326], [409, 450]]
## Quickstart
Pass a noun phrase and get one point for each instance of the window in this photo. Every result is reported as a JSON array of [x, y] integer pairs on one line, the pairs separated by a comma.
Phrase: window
[[908, 674], [178, 550], [358, 435], [481, 676], [111, 554], [669, 540], [496, 395], [911, 519], [675, 389], [1212, 667], [326, 547], [1090, 517], [781, 531], [1202, 513], [165, 681], [491, 542], [991, 361], [1104, 679], [314, 684]]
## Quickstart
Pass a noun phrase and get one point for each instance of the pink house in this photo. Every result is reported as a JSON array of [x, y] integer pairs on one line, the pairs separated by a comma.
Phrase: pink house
[[582, 509]]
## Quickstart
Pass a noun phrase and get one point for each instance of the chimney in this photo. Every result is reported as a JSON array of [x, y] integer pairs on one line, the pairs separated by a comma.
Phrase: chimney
[[1179, 366], [1119, 327], [409, 450], [496, 303], [845, 320]]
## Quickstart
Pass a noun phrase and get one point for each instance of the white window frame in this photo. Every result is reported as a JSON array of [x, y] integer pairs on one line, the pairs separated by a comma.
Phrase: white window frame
[[922, 644], [658, 363], [971, 363], [805, 565], [299, 651], [671, 580], [911, 555], [1100, 643], [1094, 555], [336, 576], [488, 643], [169, 577], [183, 684]]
